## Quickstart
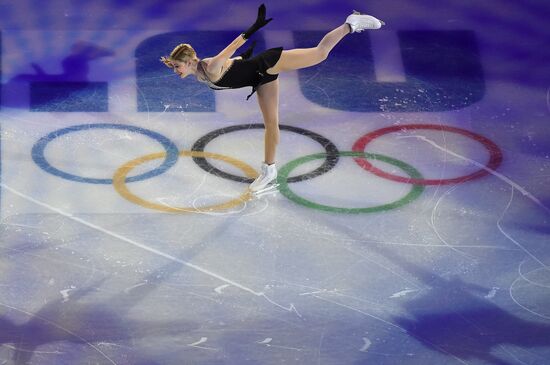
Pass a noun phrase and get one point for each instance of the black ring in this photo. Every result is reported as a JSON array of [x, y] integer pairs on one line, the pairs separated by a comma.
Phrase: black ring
[[330, 148]]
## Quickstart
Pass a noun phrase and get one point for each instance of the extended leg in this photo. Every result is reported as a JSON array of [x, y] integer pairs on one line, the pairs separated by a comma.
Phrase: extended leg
[[305, 57], [295, 59]]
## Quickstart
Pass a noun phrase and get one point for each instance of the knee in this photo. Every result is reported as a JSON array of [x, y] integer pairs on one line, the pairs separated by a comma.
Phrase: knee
[[271, 124], [322, 53]]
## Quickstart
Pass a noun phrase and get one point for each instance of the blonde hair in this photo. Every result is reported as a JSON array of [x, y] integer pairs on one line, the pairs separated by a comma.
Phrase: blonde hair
[[183, 53]]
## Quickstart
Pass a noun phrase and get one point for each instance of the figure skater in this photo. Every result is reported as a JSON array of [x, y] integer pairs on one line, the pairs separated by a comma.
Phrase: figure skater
[[261, 72]]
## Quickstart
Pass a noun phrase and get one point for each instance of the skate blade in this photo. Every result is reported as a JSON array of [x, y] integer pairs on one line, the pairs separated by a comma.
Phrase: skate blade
[[270, 189]]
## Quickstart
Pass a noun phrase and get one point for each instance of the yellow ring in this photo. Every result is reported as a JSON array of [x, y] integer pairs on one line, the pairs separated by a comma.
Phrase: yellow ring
[[119, 182]]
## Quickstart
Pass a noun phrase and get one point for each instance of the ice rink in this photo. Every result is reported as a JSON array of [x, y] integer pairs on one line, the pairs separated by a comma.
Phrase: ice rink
[[411, 224]]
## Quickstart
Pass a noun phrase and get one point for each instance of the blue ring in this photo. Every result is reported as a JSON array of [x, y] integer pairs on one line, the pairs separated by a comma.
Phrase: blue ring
[[39, 147]]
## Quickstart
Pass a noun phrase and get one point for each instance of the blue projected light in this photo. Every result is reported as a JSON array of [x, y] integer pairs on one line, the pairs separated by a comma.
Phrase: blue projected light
[[39, 157], [443, 71], [69, 96], [69, 90], [159, 89]]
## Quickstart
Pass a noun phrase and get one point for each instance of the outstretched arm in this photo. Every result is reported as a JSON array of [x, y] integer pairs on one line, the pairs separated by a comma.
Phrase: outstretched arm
[[216, 63]]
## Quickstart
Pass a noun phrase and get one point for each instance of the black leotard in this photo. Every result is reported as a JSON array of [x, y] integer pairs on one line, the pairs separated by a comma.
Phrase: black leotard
[[247, 72]]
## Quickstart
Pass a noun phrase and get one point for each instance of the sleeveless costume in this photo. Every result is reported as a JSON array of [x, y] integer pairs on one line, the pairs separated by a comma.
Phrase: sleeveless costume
[[246, 72]]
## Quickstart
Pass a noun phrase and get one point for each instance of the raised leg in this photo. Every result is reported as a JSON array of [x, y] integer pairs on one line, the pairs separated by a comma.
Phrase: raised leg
[[295, 59], [268, 99]]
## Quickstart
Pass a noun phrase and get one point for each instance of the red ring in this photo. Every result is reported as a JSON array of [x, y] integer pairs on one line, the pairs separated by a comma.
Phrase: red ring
[[494, 151]]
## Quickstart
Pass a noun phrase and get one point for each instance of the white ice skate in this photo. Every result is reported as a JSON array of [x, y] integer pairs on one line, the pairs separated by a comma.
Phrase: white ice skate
[[268, 174], [359, 22]]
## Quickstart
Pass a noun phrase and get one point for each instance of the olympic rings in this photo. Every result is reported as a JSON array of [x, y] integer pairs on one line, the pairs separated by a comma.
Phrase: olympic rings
[[411, 171], [119, 180], [330, 148], [494, 161], [40, 159], [331, 157]]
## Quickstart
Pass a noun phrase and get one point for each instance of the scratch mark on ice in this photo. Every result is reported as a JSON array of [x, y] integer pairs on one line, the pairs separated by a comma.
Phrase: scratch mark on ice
[[491, 293], [402, 293], [127, 290], [220, 288], [201, 341], [268, 340], [318, 292], [366, 346], [511, 292], [31, 351], [510, 237], [65, 293], [434, 226], [363, 312], [524, 277]]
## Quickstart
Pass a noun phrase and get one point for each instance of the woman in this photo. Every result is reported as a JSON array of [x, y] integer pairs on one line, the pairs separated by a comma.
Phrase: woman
[[261, 72]]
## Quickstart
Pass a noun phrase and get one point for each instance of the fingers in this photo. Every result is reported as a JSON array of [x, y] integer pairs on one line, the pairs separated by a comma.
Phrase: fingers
[[259, 23], [261, 12]]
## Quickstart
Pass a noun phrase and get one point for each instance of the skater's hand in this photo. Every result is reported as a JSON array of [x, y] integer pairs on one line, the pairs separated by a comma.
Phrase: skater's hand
[[260, 22]]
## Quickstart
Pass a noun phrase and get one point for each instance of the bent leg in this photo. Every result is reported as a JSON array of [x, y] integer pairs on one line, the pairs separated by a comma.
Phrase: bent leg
[[268, 99], [295, 59]]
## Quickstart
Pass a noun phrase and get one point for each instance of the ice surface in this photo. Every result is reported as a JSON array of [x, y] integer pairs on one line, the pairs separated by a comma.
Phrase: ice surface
[[96, 270]]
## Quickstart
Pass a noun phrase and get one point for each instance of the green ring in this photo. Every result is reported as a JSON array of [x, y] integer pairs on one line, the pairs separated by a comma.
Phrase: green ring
[[415, 192]]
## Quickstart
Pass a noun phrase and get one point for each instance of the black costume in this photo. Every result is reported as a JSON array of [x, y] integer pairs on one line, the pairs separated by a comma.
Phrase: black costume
[[246, 71]]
